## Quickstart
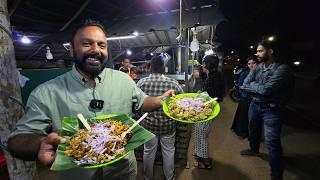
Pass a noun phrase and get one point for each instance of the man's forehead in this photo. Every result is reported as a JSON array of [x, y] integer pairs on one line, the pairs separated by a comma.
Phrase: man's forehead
[[260, 48], [91, 32]]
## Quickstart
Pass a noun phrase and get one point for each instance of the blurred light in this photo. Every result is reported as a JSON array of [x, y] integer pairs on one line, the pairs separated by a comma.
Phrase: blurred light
[[225, 63], [297, 63], [129, 52], [232, 52], [66, 46], [238, 59], [121, 37], [151, 54], [49, 55], [208, 52], [251, 47], [271, 38], [135, 33], [25, 40]]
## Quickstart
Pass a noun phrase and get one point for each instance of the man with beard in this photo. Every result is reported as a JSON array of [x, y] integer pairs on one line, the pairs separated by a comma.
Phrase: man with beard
[[270, 84], [89, 88]]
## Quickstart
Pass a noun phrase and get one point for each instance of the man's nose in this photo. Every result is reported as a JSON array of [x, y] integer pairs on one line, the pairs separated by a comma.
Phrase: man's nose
[[95, 48]]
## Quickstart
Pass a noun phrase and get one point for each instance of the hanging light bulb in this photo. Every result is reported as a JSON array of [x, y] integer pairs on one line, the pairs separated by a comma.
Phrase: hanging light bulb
[[194, 45], [49, 55]]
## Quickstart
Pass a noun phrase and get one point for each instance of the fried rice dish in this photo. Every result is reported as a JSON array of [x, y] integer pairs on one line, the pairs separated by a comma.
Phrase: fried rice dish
[[101, 144], [189, 108]]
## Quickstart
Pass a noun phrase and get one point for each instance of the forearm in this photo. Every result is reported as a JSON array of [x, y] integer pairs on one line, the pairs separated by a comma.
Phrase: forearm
[[25, 146], [151, 103]]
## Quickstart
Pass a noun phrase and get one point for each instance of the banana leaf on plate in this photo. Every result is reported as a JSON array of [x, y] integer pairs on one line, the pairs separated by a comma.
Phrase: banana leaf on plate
[[71, 126]]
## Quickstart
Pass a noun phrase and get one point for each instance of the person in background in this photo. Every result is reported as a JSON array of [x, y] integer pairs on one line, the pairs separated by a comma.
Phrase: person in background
[[157, 122], [145, 67], [240, 122], [270, 84], [196, 82], [127, 67], [213, 85], [89, 88]]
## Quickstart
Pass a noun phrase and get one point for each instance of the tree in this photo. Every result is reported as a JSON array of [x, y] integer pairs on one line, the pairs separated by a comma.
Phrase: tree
[[10, 111]]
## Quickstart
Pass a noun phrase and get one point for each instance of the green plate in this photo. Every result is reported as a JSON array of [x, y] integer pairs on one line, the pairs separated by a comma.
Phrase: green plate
[[205, 96], [70, 126]]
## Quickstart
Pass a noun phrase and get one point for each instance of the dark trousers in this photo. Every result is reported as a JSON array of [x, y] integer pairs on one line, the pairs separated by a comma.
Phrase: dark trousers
[[270, 118]]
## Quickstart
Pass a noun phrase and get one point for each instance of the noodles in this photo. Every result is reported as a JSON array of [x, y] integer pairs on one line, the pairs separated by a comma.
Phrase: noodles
[[189, 108], [100, 145]]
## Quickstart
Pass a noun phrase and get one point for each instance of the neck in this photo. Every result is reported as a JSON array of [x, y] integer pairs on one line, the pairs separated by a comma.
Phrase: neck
[[270, 61], [87, 76]]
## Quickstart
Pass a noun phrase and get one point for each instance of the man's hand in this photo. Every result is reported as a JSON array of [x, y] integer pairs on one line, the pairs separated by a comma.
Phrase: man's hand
[[48, 146], [153, 103], [169, 93]]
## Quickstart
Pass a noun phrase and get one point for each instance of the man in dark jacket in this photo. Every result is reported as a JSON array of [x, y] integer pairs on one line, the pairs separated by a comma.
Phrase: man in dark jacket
[[270, 83]]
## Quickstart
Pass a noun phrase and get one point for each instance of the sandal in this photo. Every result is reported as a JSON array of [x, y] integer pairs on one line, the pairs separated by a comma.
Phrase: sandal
[[202, 163]]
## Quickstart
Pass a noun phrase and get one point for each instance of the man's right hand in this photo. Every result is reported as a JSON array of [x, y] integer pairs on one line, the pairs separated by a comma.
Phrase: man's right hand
[[48, 146]]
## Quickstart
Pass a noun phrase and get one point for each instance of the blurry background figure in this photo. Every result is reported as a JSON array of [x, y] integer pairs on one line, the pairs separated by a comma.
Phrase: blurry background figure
[[127, 67], [196, 82], [214, 86], [240, 122], [145, 67]]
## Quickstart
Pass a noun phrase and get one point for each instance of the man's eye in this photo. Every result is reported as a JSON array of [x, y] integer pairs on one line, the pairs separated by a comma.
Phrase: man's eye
[[85, 44], [102, 46]]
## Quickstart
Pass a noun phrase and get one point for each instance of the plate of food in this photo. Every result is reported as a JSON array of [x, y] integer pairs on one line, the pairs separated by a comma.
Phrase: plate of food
[[100, 146], [191, 107]]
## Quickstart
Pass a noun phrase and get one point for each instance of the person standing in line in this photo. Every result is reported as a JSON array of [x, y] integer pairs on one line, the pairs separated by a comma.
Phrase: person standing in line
[[240, 122], [157, 122], [214, 87]]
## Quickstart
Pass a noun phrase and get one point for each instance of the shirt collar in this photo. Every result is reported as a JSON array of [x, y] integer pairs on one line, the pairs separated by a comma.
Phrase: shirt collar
[[79, 77], [156, 75]]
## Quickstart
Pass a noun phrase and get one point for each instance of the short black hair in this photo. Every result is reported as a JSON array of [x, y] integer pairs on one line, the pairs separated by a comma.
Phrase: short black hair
[[87, 23], [157, 65], [252, 58], [211, 62], [268, 44]]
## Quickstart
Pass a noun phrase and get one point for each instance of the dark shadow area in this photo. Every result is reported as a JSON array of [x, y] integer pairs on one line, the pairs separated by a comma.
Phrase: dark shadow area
[[305, 167], [218, 172]]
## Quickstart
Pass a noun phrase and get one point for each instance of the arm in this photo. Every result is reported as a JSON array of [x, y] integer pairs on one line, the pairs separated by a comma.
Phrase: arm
[[25, 146], [30, 147], [279, 77], [153, 103]]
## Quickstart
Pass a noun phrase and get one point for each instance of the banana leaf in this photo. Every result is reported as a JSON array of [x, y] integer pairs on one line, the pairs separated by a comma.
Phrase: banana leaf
[[204, 95], [70, 126]]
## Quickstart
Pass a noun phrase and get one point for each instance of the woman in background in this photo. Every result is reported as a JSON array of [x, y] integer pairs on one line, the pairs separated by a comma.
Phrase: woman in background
[[240, 122], [213, 85]]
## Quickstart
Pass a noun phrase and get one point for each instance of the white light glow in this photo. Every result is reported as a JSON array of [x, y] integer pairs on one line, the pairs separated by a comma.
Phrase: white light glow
[[129, 52], [251, 47], [135, 33], [208, 52], [120, 37], [232, 52], [25, 40], [271, 38], [151, 54], [297, 63]]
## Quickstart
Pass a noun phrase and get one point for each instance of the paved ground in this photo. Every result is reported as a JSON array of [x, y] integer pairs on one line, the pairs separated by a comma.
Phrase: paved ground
[[301, 149]]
